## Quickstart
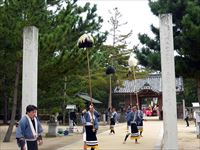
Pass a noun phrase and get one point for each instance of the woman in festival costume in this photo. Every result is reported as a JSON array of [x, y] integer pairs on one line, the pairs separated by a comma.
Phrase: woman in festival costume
[[113, 120], [139, 121], [126, 116], [90, 122], [133, 130], [28, 132]]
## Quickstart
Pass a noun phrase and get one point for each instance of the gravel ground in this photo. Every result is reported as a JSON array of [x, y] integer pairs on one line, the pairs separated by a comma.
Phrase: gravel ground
[[187, 138]]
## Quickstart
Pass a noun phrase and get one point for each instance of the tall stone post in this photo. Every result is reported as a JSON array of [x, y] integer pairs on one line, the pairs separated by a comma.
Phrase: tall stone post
[[30, 67], [168, 82]]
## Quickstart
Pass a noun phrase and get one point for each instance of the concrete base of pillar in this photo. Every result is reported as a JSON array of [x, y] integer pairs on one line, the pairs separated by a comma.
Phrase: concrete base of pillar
[[52, 126]]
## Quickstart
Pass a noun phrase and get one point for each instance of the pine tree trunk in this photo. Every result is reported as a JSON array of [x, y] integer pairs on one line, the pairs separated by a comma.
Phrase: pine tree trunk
[[5, 101], [198, 89], [5, 109], [14, 107]]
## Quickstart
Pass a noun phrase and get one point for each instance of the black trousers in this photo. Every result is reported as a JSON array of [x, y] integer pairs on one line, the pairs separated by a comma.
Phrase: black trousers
[[32, 145], [186, 119]]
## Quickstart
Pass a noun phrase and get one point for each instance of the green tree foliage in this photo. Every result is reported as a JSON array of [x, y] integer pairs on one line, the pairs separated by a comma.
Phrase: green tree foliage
[[115, 22], [60, 23], [190, 94], [186, 29], [119, 51], [64, 59], [14, 16]]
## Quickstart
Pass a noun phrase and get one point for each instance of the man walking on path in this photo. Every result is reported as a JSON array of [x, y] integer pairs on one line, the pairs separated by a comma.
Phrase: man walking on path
[[139, 121], [113, 120], [28, 132], [90, 123], [187, 117], [126, 116], [133, 130]]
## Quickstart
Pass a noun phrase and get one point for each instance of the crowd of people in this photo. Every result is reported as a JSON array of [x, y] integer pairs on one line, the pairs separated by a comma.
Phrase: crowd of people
[[29, 130]]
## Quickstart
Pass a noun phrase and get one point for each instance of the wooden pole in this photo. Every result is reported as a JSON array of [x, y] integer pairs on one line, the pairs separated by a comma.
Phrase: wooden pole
[[135, 87], [110, 97], [89, 76]]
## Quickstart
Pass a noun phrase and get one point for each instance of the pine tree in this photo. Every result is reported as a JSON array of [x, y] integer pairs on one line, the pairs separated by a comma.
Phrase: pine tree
[[14, 16], [118, 51], [186, 31], [59, 56]]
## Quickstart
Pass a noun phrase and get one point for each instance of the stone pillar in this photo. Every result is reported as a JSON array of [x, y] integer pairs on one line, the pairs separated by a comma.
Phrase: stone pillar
[[197, 116], [170, 140], [104, 119], [52, 128], [30, 67]]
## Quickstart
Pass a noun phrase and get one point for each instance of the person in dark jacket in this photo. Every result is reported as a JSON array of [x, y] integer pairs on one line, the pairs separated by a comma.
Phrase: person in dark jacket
[[133, 130], [90, 123], [28, 132], [113, 120], [187, 117]]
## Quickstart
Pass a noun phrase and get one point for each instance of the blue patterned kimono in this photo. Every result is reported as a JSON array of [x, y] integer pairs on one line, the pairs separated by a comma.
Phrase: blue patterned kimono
[[24, 134], [90, 121], [133, 125], [139, 120]]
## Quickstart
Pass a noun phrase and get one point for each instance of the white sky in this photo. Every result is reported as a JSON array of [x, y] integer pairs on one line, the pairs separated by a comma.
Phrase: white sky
[[136, 12]]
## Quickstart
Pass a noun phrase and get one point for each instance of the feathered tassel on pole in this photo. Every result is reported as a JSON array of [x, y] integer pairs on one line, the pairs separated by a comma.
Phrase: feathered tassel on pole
[[87, 41], [109, 71], [132, 62]]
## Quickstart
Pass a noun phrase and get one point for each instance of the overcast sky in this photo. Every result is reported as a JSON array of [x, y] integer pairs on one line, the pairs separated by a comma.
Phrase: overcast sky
[[136, 12]]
